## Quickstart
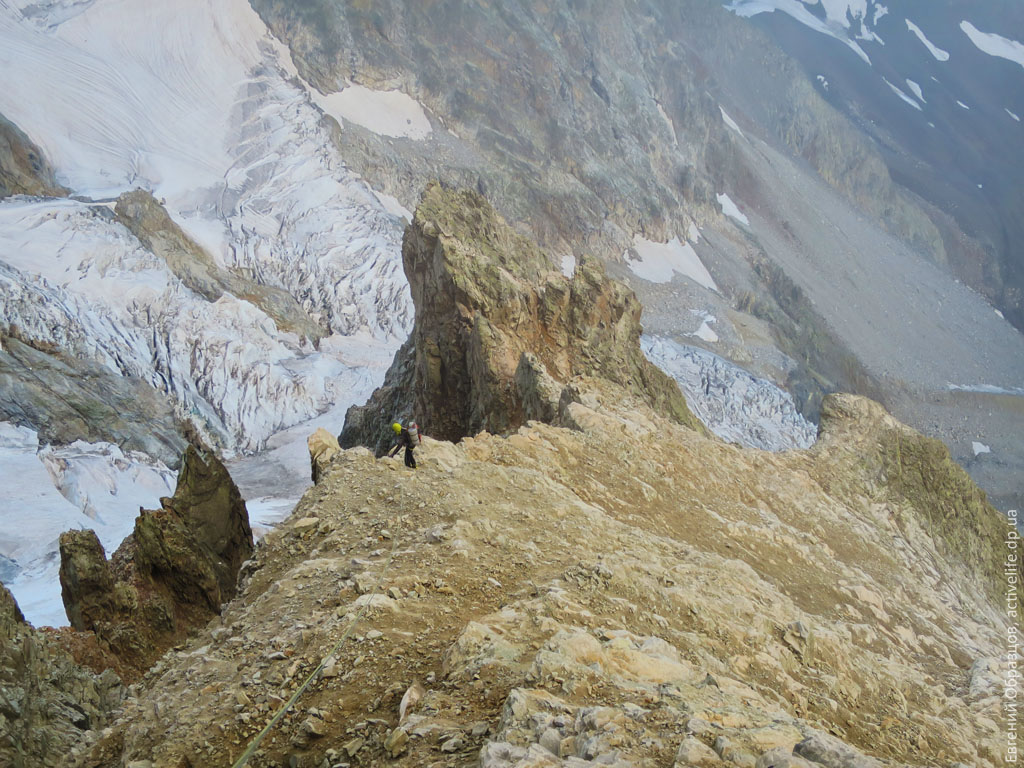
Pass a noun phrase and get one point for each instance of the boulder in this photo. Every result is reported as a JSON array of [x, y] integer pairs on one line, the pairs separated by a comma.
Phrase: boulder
[[323, 446]]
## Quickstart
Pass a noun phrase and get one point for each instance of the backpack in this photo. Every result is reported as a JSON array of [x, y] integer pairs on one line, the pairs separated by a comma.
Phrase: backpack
[[414, 434]]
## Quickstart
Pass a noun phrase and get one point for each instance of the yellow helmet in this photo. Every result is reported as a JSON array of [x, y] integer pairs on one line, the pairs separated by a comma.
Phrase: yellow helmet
[[397, 427]]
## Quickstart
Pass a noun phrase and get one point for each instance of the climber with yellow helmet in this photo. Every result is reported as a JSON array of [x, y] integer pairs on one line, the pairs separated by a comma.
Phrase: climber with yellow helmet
[[408, 438]]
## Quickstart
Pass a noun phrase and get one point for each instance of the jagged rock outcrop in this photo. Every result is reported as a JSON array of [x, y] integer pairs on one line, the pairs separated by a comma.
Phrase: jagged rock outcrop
[[24, 169], [497, 331], [630, 593], [171, 575], [47, 701]]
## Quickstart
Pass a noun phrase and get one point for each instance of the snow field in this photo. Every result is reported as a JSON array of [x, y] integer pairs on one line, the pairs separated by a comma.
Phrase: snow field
[[659, 262]]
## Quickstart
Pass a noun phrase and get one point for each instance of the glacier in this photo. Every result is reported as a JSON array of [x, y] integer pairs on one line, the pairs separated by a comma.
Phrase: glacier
[[198, 104], [734, 404]]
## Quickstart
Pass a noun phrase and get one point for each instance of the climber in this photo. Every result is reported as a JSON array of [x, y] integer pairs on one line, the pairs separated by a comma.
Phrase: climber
[[408, 438]]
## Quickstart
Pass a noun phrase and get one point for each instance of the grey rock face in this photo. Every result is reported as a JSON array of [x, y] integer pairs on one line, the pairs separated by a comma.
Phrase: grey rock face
[[67, 399], [24, 169]]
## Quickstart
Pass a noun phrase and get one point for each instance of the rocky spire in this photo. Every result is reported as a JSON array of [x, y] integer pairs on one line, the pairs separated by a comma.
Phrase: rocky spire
[[498, 333], [173, 573]]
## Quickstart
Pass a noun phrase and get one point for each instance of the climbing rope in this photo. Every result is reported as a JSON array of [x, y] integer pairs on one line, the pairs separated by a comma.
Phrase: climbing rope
[[255, 743]]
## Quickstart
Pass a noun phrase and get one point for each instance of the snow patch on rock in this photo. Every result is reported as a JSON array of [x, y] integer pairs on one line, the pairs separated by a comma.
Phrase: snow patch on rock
[[916, 89], [704, 332], [993, 44], [729, 121], [568, 265], [659, 262], [386, 113], [730, 209], [934, 50], [909, 100]]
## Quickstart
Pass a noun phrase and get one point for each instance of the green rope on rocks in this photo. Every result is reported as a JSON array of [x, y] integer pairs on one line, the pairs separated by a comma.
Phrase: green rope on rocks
[[255, 743]]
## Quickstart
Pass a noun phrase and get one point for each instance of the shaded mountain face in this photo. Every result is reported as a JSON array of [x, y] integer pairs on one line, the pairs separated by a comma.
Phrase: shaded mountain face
[[939, 89], [589, 121]]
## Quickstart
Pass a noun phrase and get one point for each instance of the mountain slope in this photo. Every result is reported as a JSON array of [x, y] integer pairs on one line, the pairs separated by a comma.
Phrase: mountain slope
[[623, 589], [634, 572]]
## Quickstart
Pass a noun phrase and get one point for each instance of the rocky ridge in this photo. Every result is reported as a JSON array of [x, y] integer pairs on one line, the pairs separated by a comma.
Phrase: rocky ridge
[[498, 335], [169, 577], [631, 592], [614, 588]]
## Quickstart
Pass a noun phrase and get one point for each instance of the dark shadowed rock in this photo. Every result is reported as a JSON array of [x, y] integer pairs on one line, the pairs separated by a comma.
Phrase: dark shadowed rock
[[392, 401], [498, 333], [47, 701], [23, 168], [86, 583], [172, 574], [210, 504]]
